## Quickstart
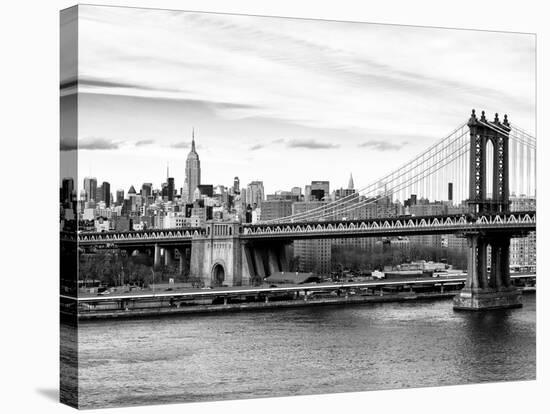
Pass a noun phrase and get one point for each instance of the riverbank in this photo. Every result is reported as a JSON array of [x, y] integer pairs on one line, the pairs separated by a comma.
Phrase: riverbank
[[274, 304], [235, 307]]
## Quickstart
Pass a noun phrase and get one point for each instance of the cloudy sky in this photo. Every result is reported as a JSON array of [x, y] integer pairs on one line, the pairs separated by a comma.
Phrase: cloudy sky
[[286, 101]]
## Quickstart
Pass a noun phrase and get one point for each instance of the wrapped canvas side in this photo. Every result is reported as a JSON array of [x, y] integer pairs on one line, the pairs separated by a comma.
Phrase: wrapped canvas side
[[68, 214]]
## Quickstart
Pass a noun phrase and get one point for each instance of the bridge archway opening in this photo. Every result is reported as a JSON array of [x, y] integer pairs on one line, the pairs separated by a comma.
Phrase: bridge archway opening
[[489, 168], [218, 275]]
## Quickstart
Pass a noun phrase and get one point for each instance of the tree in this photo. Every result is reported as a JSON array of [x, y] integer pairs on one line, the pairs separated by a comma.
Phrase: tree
[[294, 263], [376, 257], [139, 274]]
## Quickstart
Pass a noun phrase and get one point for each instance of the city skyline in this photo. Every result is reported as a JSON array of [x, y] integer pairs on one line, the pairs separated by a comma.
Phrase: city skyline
[[266, 94]]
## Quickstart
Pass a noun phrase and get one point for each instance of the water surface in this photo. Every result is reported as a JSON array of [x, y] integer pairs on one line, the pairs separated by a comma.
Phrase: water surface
[[302, 351]]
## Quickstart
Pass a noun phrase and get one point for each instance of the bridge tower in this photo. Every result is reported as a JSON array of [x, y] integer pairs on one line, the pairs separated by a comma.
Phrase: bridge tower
[[483, 134], [488, 288]]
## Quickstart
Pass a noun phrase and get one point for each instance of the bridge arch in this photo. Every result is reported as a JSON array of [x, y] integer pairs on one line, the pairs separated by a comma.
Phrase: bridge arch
[[217, 274]]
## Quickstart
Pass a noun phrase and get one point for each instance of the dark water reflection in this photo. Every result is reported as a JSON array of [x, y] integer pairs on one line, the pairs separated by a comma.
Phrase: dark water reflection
[[302, 351]]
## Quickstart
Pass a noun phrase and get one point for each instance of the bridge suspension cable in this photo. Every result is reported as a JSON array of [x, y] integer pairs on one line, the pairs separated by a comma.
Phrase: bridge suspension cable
[[523, 159], [414, 168], [376, 186], [445, 163], [400, 186], [419, 163]]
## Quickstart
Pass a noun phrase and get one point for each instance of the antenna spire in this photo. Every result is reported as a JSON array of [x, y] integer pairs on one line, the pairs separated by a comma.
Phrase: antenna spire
[[350, 183]]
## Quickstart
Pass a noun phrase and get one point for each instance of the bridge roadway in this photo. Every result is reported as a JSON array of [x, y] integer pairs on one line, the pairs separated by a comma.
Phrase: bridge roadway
[[520, 222], [311, 287]]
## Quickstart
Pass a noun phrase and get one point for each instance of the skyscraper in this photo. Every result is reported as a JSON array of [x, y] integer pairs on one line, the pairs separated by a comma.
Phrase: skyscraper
[[170, 189], [297, 191], [319, 190], [192, 171], [346, 192], [99, 194], [255, 193], [106, 197], [67, 189], [146, 191], [119, 197], [90, 186], [236, 185]]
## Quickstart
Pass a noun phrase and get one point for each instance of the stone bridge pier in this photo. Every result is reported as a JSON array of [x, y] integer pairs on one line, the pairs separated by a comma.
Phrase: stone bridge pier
[[484, 288], [223, 257]]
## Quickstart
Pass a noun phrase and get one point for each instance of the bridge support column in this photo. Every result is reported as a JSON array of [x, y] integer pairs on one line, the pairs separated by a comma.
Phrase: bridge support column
[[182, 260], [495, 280], [247, 264], [481, 293], [259, 262], [168, 257], [156, 259], [282, 257], [482, 263], [272, 262], [505, 264]]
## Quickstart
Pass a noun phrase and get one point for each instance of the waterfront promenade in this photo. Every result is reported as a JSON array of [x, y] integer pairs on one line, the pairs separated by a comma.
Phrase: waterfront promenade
[[224, 299]]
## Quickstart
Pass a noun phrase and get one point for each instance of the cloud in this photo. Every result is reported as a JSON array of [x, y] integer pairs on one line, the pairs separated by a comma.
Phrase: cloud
[[380, 145], [277, 141], [69, 83], [100, 83], [256, 147], [143, 142], [93, 143], [310, 144], [68, 144], [90, 143], [181, 144], [91, 85]]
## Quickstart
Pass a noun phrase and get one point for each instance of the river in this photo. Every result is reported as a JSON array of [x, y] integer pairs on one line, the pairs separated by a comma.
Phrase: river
[[308, 350]]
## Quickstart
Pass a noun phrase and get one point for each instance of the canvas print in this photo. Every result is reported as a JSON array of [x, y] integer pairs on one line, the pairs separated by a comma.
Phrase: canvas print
[[263, 206]]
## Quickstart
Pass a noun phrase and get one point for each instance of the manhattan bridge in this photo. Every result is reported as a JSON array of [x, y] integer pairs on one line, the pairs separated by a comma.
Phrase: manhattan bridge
[[486, 161]]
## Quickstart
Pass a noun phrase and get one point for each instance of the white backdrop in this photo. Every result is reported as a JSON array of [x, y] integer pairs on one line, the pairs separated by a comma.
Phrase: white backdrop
[[29, 226]]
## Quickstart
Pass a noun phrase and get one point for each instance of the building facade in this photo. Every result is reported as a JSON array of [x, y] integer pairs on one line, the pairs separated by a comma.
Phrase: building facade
[[523, 251], [276, 209], [312, 255], [255, 193]]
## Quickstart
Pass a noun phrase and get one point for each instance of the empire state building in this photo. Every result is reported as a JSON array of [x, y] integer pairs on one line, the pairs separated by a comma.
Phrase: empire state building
[[192, 172]]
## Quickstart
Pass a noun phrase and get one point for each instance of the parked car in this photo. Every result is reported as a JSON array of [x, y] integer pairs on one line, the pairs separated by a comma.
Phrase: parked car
[[378, 275]]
